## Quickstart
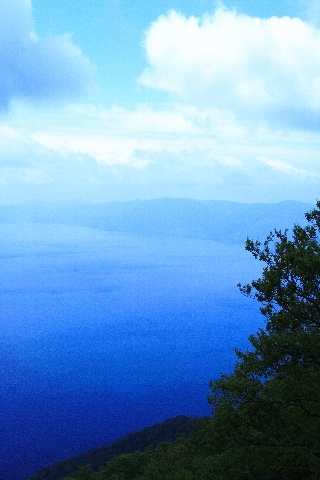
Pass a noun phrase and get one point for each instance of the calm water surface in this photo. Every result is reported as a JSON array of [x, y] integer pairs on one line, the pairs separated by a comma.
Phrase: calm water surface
[[103, 333]]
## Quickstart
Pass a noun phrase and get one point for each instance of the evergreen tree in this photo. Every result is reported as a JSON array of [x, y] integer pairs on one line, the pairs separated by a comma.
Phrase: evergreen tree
[[266, 422]]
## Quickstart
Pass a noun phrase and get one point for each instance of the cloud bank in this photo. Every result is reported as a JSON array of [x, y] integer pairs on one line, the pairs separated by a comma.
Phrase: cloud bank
[[95, 154], [261, 69], [37, 68]]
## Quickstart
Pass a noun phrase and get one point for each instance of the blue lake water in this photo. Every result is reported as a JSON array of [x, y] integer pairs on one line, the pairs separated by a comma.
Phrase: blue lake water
[[104, 333]]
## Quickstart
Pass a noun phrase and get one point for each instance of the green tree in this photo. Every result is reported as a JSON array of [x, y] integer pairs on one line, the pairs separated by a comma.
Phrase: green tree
[[266, 414]]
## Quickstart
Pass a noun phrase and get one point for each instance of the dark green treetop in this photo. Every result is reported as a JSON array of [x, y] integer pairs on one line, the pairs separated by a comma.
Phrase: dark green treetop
[[266, 421]]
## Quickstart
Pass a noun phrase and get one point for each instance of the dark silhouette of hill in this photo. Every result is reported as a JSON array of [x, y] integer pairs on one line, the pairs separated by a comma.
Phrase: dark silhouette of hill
[[223, 221], [167, 431]]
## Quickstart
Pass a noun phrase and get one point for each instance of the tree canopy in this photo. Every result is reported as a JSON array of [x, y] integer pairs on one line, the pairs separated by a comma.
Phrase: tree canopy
[[266, 421]]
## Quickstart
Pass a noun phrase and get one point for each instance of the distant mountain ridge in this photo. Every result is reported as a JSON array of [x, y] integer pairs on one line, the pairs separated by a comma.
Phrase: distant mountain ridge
[[222, 221]]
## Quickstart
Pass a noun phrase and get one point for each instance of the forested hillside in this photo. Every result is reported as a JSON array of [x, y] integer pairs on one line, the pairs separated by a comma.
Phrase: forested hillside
[[168, 431]]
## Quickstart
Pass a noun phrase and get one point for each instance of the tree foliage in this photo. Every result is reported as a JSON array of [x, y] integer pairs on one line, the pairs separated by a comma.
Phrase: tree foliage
[[267, 412]]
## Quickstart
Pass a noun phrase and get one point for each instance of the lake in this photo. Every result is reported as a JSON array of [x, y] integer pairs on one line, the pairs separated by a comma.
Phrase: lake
[[104, 333]]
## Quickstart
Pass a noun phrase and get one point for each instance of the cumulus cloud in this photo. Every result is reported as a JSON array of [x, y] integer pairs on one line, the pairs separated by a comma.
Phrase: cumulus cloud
[[265, 69], [37, 68]]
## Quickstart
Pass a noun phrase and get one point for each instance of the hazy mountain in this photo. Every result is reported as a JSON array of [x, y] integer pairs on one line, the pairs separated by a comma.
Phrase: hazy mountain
[[224, 221]]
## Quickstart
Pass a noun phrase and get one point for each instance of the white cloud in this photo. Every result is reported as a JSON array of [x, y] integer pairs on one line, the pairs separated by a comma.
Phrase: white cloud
[[111, 136], [100, 154], [37, 68], [265, 70], [288, 169]]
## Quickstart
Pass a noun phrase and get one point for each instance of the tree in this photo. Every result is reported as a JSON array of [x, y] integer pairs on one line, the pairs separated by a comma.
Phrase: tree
[[266, 414]]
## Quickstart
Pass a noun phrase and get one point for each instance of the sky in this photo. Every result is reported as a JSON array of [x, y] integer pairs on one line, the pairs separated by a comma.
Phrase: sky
[[126, 99]]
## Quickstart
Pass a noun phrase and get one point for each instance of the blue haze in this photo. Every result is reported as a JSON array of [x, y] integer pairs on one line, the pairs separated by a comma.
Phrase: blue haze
[[104, 332]]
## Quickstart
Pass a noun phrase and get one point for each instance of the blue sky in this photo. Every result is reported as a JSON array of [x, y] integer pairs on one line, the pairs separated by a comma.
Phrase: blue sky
[[119, 100]]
